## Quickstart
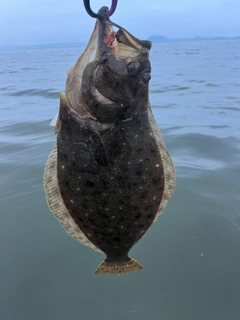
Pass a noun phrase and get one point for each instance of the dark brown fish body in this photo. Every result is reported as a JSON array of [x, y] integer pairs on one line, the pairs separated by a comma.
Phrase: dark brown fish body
[[110, 176]]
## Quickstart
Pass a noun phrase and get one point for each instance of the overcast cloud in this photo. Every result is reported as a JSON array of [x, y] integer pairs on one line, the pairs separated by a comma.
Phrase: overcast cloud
[[54, 21]]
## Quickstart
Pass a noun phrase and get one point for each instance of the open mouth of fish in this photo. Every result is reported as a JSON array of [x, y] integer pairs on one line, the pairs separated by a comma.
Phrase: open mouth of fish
[[103, 83]]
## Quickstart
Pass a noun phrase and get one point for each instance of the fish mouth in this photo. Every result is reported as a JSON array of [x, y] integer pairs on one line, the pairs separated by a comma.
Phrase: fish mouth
[[97, 85]]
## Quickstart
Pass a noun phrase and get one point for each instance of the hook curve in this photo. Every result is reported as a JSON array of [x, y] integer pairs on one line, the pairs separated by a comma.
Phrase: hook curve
[[113, 7], [96, 15]]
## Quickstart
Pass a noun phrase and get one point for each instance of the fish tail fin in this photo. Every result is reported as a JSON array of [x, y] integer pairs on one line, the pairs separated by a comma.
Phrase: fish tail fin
[[118, 267]]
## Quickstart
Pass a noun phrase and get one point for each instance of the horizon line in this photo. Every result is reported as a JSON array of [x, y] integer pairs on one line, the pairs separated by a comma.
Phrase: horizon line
[[153, 38]]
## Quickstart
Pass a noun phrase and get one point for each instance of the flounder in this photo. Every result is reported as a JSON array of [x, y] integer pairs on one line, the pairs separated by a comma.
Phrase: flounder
[[109, 175]]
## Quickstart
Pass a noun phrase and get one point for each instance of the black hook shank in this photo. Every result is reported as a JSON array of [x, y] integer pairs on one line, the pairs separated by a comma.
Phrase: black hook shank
[[96, 15]]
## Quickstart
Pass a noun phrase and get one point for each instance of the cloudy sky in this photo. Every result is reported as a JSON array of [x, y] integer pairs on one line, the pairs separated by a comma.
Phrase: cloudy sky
[[54, 21]]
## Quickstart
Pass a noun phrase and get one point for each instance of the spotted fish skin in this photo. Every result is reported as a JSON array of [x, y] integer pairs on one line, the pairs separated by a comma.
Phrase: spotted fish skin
[[113, 203], [110, 169]]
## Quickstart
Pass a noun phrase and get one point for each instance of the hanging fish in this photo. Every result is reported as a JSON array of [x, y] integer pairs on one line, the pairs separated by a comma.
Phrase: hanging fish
[[109, 176]]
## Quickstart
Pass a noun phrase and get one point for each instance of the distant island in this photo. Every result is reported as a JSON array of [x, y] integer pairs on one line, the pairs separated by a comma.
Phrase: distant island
[[153, 38], [159, 38]]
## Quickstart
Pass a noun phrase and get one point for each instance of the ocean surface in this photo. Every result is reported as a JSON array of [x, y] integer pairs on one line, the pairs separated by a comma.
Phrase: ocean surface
[[191, 255]]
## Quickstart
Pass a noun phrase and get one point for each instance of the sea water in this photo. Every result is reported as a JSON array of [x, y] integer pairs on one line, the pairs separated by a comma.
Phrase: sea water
[[191, 255]]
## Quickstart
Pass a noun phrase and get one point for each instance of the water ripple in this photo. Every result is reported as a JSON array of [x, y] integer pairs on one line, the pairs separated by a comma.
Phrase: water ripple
[[170, 88], [47, 93]]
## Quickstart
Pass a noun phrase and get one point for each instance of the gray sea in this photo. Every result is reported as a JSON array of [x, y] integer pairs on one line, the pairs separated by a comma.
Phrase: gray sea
[[191, 255]]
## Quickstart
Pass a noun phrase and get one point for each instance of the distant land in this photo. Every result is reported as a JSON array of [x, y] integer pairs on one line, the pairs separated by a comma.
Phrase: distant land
[[158, 38], [154, 39]]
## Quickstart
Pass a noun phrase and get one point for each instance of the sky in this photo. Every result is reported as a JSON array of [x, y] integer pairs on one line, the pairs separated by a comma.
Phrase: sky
[[30, 22]]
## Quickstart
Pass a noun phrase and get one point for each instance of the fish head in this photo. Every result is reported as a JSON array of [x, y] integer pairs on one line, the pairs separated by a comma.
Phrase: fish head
[[111, 76]]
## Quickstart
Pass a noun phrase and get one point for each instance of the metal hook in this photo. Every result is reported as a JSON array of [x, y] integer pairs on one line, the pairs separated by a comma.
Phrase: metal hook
[[95, 15], [113, 7]]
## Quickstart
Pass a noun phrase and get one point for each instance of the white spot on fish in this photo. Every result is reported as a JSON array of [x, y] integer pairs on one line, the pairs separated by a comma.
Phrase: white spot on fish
[[63, 167], [78, 189], [113, 217], [201, 254], [157, 165], [140, 160], [106, 209], [122, 226], [71, 201], [142, 231], [111, 177], [136, 136], [120, 208], [129, 162], [154, 198], [151, 134]]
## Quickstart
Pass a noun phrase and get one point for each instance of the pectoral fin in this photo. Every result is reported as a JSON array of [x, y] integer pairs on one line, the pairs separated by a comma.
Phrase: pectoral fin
[[98, 150]]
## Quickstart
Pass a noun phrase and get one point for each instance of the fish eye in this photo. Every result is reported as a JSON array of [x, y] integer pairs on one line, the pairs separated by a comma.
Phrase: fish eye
[[146, 76], [133, 66]]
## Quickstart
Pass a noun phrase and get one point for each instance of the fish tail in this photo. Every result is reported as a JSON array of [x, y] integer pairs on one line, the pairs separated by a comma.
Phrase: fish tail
[[118, 267]]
